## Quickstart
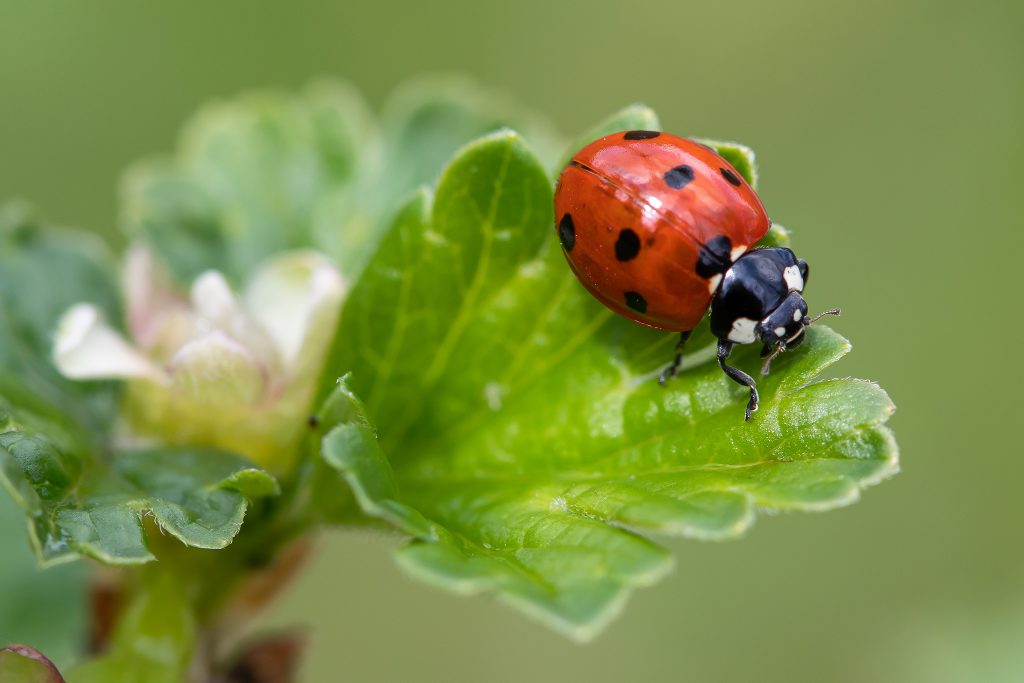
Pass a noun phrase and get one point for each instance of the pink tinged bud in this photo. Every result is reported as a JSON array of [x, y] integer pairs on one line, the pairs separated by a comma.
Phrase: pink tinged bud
[[209, 367], [156, 311]]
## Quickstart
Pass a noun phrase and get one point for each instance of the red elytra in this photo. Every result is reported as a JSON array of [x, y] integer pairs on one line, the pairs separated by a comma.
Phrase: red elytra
[[635, 209]]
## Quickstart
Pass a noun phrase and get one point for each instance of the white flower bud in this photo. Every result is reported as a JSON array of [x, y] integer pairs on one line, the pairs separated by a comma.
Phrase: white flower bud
[[213, 369]]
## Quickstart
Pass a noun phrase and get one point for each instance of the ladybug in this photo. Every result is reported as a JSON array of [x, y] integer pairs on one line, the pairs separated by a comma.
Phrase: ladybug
[[658, 228]]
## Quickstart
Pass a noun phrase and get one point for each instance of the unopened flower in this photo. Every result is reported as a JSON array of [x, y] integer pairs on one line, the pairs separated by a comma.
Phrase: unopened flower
[[213, 368]]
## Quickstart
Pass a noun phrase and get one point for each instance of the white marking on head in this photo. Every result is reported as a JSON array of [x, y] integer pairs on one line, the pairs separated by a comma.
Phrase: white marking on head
[[779, 331], [794, 280], [713, 282], [797, 314], [737, 252], [742, 331]]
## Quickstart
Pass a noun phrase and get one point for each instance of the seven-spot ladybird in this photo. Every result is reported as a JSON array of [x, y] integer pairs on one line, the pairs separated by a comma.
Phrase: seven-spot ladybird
[[658, 228]]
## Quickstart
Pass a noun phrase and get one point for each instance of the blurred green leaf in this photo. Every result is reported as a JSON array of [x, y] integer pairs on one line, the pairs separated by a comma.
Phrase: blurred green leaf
[[32, 299], [254, 176], [270, 171], [428, 119], [523, 439], [154, 639], [23, 664], [45, 608], [77, 504]]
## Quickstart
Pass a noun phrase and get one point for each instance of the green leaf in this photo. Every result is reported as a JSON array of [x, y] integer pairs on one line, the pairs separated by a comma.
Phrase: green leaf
[[633, 117], [437, 265], [154, 639], [524, 441], [740, 156], [23, 664], [32, 299], [78, 505]]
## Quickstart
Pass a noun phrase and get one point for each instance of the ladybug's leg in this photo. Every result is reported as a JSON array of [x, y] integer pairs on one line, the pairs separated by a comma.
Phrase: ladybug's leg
[[737, 375], [670, 372]]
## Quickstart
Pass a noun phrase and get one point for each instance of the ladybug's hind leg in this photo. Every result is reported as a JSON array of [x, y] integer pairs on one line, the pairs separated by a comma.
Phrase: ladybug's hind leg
[[737, 375], [670, 372]]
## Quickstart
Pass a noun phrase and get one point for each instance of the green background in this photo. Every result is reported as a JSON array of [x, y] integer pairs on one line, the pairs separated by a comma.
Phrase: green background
[[889, 140]]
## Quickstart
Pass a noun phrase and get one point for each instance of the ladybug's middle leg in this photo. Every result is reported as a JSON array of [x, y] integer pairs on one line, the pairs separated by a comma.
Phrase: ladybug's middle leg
[[670, 372], [737, 375]]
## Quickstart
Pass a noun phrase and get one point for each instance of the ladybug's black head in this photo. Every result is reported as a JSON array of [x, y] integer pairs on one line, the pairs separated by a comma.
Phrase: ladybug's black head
[[761, 298], [784, 328], [785, 325]]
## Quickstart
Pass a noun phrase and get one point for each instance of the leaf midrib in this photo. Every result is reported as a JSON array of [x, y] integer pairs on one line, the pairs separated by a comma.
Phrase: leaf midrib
[[398, 428], [577, 476], [585, 475]]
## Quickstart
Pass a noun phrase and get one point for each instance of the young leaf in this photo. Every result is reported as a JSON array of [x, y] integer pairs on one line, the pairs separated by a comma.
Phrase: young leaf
[[78, 505], [524, 441], [154, 639]]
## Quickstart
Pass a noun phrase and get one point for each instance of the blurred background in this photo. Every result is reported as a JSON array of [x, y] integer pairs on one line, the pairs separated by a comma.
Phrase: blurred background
[[889, 139]]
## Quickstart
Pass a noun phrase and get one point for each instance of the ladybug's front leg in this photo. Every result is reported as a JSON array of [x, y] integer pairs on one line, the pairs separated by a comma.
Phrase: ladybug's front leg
[[737, 375], [670, 372]]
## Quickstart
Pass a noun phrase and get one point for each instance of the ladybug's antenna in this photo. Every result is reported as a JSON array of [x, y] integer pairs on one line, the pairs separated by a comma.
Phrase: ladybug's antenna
[[831, 311]]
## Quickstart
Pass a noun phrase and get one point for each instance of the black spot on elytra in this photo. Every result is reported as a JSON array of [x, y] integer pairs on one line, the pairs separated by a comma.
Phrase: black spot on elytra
[[627, 246], [714, 257], [635, 301], [567, 232], [641, 135], [730, 176], [679, 177]]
